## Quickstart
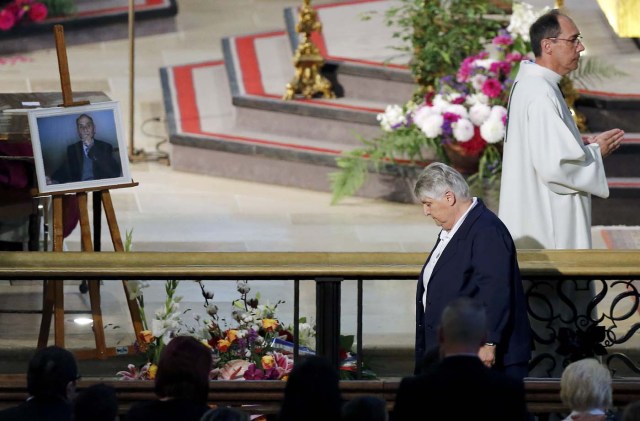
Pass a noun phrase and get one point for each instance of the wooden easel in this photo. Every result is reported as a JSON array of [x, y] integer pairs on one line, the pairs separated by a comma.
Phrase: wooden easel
[[53, 293]]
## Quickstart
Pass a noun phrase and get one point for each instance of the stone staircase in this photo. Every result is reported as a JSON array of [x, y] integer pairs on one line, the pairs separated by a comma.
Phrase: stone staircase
[[227, 119]]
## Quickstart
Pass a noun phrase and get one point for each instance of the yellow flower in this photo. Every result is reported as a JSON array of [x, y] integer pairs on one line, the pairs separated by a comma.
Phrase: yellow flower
[[267, 362], [153, 369], [223, 345], [205, 343], [232, 335], [269, 324]]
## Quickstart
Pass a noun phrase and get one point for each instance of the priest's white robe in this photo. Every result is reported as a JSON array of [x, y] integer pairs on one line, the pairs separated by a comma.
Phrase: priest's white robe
[[548, 173]]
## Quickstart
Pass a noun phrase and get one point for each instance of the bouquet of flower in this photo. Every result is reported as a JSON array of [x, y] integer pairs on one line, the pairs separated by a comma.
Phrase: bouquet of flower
[[461, 121], [246, 350], [17, 11]]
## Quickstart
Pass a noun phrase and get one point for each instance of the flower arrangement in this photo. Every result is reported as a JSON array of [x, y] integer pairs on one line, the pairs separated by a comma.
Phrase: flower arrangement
[[19, 11], [460, 121], [247, 350], [257, 347]]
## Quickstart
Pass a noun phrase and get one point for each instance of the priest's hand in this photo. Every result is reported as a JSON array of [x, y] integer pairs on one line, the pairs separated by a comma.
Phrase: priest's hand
[[609, 141]]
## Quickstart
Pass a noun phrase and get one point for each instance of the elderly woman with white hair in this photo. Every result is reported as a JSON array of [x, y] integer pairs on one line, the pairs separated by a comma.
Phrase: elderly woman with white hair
[[585, 387]]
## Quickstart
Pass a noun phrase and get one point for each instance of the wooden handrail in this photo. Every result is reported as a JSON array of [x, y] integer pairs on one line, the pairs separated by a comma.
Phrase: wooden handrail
[[286, 265], [265, 396]]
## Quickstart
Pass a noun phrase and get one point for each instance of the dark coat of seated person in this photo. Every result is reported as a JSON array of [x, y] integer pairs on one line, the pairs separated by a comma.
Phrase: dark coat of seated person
[[312, 392], [97, 402], [51, 384], [225, 413], [181, 384], [365, 408], [478, 392]]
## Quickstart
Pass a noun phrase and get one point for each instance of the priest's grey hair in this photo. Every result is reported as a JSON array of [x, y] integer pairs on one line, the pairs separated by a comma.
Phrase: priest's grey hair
[[437, 179]]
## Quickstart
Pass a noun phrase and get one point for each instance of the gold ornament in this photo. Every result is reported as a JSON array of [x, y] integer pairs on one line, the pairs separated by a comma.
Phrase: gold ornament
[[307, 80]]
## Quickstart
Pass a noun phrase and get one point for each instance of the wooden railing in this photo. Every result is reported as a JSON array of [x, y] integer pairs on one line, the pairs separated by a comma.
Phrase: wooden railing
[[328, 270], [265, 396]]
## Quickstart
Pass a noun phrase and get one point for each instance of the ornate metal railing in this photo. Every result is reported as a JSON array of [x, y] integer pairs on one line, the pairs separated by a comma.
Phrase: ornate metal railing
[[581, 302]]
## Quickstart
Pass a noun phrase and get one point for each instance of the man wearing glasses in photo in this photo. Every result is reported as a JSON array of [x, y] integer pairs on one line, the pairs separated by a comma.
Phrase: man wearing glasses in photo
[[548, 171]]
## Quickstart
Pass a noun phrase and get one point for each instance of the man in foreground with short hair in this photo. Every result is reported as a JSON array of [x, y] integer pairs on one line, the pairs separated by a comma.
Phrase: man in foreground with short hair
[[477, 391], [51, 383]]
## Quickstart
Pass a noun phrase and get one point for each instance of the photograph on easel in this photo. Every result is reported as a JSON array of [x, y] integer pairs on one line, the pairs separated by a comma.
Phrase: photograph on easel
[[77, 148]]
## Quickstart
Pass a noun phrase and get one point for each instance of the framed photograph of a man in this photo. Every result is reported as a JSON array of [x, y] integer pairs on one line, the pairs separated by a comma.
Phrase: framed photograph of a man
[[78, 148]]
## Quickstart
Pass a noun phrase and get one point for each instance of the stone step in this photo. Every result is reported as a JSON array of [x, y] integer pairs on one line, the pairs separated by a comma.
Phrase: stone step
[[621, 207], [624, 161], [229, 119]]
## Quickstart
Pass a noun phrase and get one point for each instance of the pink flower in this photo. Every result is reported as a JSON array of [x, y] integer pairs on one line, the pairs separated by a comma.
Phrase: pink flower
[[253, 373], [492, 88], [7, 20], [38, 12], [502, 40]]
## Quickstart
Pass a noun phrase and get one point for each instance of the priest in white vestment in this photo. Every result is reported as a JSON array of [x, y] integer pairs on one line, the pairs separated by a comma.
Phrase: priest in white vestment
[[548, 171]]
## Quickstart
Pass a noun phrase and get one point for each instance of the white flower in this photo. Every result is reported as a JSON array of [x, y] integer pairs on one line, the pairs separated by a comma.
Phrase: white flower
[[492, 130], [463, 130], [498, 112], [421, 114], [457, 109], [393, 116], [432, 125], [477, 98], [440, 103], [164, 329], [135, 288], [522, 16], [477, 81], [479, 113], [484, 63]]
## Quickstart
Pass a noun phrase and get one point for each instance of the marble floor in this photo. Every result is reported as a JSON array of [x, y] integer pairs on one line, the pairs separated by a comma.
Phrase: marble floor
[[178, 211]]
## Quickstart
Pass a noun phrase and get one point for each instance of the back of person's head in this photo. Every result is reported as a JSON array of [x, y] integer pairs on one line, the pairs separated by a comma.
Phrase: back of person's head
[[312, 391], [97, 402], [365, 408], [631, 412], [183, 370], [437, 178], [52, 371], [586, 384], [546, 26], [463, 325], [225, 413]]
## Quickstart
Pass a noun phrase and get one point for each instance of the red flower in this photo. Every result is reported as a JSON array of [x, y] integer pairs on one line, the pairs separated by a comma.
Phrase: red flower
[[38, 12], [476, 145]]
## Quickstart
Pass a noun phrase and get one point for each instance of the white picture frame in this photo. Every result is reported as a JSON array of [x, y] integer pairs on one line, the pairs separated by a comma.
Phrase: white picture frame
[[58, 151]]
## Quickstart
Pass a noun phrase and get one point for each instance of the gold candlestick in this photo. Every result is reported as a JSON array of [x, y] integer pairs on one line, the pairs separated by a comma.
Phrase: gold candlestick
[[307, 80]]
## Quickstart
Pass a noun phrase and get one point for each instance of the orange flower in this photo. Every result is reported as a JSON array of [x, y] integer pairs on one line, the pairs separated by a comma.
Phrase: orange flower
[[223, 345], [269, 324], [232, 335], [267, 362], [146, 336]]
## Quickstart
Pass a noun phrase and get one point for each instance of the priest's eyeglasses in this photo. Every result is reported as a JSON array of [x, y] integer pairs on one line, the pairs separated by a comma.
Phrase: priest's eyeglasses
[[575, 41]]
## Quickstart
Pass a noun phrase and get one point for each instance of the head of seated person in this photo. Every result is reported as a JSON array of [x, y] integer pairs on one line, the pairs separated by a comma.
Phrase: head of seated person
[[183, 370], [52, 373]]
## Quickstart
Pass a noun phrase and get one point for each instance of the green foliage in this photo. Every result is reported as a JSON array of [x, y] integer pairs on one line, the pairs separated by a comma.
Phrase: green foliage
[[60, 7], [402, 146], [439, 35]]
